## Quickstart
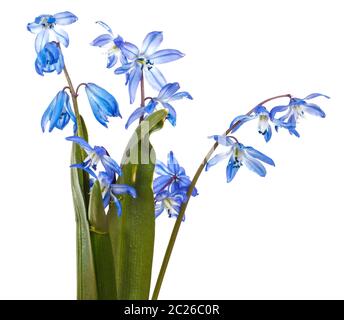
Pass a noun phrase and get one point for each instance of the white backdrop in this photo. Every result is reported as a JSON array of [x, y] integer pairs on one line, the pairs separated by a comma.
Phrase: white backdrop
[[279, 237]]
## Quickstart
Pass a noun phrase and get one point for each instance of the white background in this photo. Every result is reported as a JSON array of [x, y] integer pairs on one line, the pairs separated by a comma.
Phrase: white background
[[279, 237]]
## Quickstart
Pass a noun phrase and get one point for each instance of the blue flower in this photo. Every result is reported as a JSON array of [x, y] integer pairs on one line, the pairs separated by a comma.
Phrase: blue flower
[[263, 116], [110, 190], [58, 113], [49, 59], [171, 202], [94, 155], [172, 177], [167, 93], [103, 104], [296, 109], [45, 25], [145, 61], [238, 155], [112, 44]]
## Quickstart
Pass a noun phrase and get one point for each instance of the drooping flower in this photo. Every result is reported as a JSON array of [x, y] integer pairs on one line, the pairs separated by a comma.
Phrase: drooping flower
[[172, 177], [144, 62], [296, 109], [110, 190], [171, 202], [94, 156], [45, 27], [58, 113], [113, 45], [49, 59], [238, 155], [167, 94], [103, 104], [263, 116]]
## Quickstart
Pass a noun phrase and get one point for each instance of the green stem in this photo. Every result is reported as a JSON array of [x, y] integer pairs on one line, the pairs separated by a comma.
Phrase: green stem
[[185, 204]]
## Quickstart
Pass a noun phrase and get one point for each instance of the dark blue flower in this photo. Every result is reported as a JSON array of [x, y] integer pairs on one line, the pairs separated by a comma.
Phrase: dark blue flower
[[296, 109], [110, 190], [172, 177], [262, 114], [113, 45], [238, 155], [58, 113], [145, 61], [171, 202], [45, 26], [94, 156], [103, 104], [49, 59], [167, 94]]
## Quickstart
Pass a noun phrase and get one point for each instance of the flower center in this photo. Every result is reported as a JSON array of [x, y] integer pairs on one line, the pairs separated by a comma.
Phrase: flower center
[[46, 22], [263, 123], [145, 63], [299, 112]]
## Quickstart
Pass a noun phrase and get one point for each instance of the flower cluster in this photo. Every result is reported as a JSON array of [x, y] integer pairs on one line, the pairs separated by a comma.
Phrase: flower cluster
[[107, 178], [238, 154], [138, 65], [171, 186]]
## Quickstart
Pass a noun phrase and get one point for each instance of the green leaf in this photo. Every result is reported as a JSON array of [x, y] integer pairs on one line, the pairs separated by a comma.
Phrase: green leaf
[[86, 286], [101, 246], [132, 234]]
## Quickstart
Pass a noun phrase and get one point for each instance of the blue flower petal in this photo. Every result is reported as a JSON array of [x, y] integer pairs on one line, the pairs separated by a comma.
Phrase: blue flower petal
[[166, 55], [130, 50], [117, 204], [64, 18], [168, 90], [123, 189], [41, 40], [134, 80], [268, 134], [172, 163], [102, 40], [81, 142], [231, 170], [161, 168], [255, 166], [57, 110], [276, 110], [314, 110], [151, 42], [155, 78], [48, 112], [85, 168], [150, 107], [315, 95], [172, 114], [62, 36], [110, 165], [105, 26], [111, 60], [97, 110], [181, 95], [124, 68], [258, 155], [138, 113], [223, 140], [34, 27], [161, 183], [216, 159], [106, 200], [240, 120], [159, 209]]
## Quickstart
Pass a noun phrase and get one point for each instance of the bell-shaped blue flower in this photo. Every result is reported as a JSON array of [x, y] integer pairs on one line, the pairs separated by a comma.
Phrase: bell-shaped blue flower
[[46, 26], [167, 94], [110, 190], [172, 177], [171, 202], [49, 59], [94, 156], [103, 104], [113, 45], [144, 61], [58, 113], [238, 155], [295, 110]]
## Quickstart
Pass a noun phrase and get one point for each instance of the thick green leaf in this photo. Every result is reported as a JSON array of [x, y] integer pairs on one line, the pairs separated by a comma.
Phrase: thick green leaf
[[87, 287], [132, 234], [101, 246]]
